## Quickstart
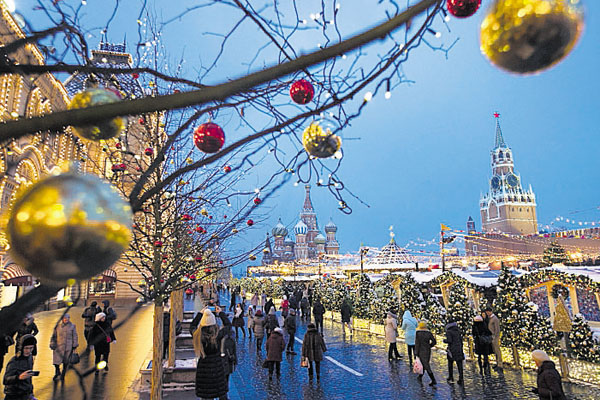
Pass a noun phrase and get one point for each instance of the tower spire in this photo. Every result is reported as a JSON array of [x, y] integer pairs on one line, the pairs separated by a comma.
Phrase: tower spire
[[307, 203], [499, 137]]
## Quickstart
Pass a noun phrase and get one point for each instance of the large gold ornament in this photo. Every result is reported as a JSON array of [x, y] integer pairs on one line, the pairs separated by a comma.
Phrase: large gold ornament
[[562, 319], [320, 143], [528, 36], [102, 130], [69, 226]]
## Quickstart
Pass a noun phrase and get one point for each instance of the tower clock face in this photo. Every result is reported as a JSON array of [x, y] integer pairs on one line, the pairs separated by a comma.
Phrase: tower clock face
[[512, 180], [495, 182]]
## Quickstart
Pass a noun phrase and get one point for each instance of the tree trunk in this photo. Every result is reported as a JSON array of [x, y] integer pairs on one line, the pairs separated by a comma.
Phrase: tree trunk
[[516, 358], [172, 326], [157, 353]]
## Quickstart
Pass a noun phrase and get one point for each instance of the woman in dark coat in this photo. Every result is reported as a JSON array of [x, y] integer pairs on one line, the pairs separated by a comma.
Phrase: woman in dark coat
[[455, 353], [549, 386], [101, 337], [313, 347], [482, 337], [238, 320], [211, 380], [275, 346], [424, 341], [346, 312]]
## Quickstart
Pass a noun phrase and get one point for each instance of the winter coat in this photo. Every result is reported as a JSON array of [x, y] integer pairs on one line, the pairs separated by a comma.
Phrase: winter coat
[[4, 340], [271, 322], [228, 348], [250, 316], [313, 345], [263, 300], [293, 302], [26, 329], [258, 326], [318, 311], [211, 379], [63, 341], [98, 334], [409, 326], [254, 301], [494, 326], [89, 315], [424, 341], [268, 306], [391, 328], [195, 322], [455, 341], [111, 315], [13, 386], [549, 382], [238, 318], [290, 324], [275, 346], [285, 305], [304, 304], [346, 312], [480, 330]]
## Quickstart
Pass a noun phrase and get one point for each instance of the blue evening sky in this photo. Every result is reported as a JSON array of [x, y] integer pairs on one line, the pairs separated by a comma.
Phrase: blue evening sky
[[423, 155]]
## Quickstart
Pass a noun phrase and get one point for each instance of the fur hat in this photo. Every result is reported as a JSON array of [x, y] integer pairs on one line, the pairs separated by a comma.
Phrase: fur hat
[[28, 340], [478, 318], [540, 356], [422, 325], [278, 330], [99, 316], [208, 319]]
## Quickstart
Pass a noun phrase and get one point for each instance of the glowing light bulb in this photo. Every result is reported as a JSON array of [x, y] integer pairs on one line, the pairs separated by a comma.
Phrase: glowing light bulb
[[368, 96], [387, 95]]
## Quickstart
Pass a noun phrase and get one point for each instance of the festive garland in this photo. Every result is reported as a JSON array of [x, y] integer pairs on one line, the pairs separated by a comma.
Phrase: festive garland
[[545, 275], [560, 290]]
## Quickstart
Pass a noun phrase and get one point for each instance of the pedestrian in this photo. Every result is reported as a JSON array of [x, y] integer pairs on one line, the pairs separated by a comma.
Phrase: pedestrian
[[250, 317], [494, 327], [346, 312], [5, 342], [424, 341], [271, 321], [233, 300], [391, 333], [227, 344], [268, 305], [258, 326], [263, 302], [275, 347], [238, 320], [254, 301], [305, 307], [195, 322], [110, 313], [17, 378], [89, 319], [211, 379], [313, 347], [289, 325], [549, 386], [27, 327], [455, 353], [285, 306], [101, 337], [318, 312], [63, 343], [482, 337], [409, 326]]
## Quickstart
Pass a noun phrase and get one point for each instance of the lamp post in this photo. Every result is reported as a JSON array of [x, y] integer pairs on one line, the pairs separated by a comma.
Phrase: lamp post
[[363, 252]]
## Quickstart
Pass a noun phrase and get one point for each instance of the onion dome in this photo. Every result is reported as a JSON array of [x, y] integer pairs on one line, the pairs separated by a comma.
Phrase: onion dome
[[300, 228], [288, 242], [279, 230], [320, 239], [330, 227]]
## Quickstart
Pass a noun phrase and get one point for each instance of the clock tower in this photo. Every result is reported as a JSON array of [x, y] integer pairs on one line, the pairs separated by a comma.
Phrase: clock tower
[[507, 207]]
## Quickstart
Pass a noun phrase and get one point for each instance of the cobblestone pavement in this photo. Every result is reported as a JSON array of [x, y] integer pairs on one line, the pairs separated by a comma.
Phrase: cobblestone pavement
[[126, 357]]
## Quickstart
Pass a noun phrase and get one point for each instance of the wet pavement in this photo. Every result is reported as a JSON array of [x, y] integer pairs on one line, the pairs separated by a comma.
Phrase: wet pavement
[[134, 339]]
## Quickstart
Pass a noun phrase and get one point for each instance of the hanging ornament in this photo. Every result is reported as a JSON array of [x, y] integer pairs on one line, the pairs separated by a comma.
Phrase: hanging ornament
[[118, 145], [69, 226], [319, 143], [252, 257], [234, 231], [149, 151], [462, 8], [186, 217], [142, 121], [135, 75], [101, 130], [198, 258], [302, 91], [209, 137], [158, 243], [207, 270], [227, 169], [257, 201], [249, 222], [528, 36]]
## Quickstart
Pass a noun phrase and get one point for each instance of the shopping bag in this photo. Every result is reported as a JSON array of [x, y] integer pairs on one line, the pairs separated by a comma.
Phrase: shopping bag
[[304, 362], [74, 358], [418, 366]]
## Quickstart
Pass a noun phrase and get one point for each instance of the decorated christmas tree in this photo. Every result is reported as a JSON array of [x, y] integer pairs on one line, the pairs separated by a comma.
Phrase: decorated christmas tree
[[362, 296], [555, 254], [433, 312], [581, 341], [411, 297], [510, 306], [387, 299], [538, 334], [459, 308]]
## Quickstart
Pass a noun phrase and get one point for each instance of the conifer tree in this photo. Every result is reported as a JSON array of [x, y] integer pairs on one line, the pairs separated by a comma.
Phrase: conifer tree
[[411, 297], [555, 254], [581, 341], [538, 333], [362, 296], [387, 299], [459, 308], [510, 306], [433, 312]]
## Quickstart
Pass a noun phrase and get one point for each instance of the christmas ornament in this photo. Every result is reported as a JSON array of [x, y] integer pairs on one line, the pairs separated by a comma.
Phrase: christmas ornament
[[204, 212], [319, 143], [142, 121], [257, 201], [462, 8], [209, 137], [250, 222], [118, 167], [158, 243], [252, 257], [227, 169], [186, 217], [207, 270], [149, 151], [135, 75], [69, 226], [198, 258], [528, 36], [302, 91], [118, 145], [101, 130]]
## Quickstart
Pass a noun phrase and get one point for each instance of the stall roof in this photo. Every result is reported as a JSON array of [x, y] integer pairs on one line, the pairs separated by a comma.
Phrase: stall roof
[[592, 272]]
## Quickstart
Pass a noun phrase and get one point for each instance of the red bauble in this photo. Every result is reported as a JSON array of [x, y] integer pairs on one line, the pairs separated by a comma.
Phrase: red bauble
[[142, 121], [250, 222], [193, 277], [207, 270], [257, 201], [198, 258], [462, 8], [209, 137], [227, 168], [302, 91], [135, 75], [158, 243], [200, 229], [149, 151], [186, 217], [118, 145], [221, 262]]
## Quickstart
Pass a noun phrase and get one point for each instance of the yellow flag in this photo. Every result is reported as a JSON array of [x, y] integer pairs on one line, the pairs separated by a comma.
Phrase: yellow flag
[[445, 228]]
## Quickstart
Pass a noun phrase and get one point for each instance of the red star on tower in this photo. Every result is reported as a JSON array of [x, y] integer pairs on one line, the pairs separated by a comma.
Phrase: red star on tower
[[496, 115]]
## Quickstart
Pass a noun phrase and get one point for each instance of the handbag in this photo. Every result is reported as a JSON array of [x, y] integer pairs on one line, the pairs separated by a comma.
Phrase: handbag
[[449, 354], [304, 362], [486, 339], [418, 366], [74, 358]]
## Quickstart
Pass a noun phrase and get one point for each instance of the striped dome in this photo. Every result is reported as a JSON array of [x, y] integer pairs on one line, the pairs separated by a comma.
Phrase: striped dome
[[300, 228]]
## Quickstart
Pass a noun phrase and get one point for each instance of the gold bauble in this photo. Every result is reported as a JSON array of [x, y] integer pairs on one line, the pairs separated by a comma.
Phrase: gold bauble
[[320, 143], [528, 36], [69, 226], [103, 130]]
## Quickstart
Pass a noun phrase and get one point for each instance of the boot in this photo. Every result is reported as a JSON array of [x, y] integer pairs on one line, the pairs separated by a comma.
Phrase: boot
[[56, 377], [420, 378], [433, 381]]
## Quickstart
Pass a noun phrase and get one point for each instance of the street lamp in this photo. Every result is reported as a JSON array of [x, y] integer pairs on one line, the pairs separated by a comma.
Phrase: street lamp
[[363, 252]]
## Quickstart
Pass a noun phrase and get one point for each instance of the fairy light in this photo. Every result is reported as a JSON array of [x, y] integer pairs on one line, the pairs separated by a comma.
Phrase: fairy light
[[368, 96]]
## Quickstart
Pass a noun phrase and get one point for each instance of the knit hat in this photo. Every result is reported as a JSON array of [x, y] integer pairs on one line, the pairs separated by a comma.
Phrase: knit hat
[[479, 318], [258, 313], [292, 312], [106, 303], [99, 316], [208, 319], [540, 356], [422, 325], [272, 311], [278, 330], [28, 340]]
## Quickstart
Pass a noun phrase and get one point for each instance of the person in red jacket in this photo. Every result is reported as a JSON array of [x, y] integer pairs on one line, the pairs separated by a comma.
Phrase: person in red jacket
[[275, 347]]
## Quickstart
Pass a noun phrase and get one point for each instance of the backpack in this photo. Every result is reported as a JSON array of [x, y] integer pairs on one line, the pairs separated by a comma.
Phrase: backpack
[[228, 354]]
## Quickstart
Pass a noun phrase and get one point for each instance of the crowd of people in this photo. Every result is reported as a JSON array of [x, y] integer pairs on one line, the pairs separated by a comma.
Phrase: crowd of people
[[98, 332]]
